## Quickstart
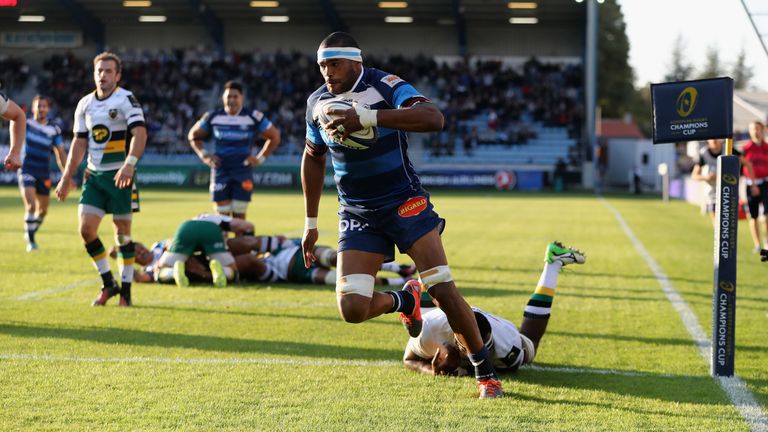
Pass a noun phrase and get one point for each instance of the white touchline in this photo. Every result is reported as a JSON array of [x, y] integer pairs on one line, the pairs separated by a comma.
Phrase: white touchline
[[734, 387], [301, 362]]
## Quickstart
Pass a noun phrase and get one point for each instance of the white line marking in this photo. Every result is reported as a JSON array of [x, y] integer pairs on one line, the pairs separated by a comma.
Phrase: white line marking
[[734, 387], [616, 372], [37, 295], [299, 362], [182, 360]]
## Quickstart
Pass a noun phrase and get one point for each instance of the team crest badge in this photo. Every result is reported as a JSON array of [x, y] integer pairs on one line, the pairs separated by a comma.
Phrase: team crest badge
[[113, 114]]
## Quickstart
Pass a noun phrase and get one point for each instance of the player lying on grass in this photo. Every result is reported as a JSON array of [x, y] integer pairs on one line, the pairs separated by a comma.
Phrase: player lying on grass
[[206, 233], [286, 264], [261, 259], [437, 350], [197, 265]]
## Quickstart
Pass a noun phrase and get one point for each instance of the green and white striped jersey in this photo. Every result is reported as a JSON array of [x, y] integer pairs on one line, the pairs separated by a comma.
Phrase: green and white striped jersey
[[107, 123]]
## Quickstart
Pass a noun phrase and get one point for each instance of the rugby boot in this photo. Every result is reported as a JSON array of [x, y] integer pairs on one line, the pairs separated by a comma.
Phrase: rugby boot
[[217, 273], [106, 293], [564, 254], [125, 295], [412, 321], [179, 275], [490, 388]]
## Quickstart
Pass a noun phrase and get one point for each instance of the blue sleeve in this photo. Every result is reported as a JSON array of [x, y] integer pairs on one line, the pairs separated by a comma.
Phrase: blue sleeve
[[205, 122], [394, 89], [58, 140], [262, 122], [313, 134]]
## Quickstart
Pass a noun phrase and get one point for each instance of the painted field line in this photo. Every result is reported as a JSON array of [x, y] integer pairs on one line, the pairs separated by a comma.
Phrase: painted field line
[[734, 387], [298, 362], [36, 295]]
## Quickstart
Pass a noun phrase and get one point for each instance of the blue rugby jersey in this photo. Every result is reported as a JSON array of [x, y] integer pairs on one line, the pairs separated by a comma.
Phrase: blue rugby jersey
[[38, 146], [233, 135], [381, 174]]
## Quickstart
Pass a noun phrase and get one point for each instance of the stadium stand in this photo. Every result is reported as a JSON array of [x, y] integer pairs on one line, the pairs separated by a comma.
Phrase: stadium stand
[[495, 114]]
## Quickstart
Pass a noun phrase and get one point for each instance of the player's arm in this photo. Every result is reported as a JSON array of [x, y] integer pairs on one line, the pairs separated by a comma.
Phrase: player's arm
[[312, 178], [15, 115], [197, 136], [124, 176], [416, 114], [754, 189], [61, 156], [272, 139], [76, 153], [696, 173]]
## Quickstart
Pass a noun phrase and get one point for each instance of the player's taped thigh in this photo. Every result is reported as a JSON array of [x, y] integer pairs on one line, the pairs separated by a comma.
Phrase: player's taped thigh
[[358, 283], [89, 209], [435, 275], [223, 208], [122, 239], [124, 216], [239, 206]]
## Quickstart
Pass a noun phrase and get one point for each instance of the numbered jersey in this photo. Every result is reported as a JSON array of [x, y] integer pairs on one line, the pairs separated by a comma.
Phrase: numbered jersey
[[107, 124]]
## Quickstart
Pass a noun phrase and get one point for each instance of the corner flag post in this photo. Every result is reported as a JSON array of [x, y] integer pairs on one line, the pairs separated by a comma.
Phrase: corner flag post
[[699, 110]]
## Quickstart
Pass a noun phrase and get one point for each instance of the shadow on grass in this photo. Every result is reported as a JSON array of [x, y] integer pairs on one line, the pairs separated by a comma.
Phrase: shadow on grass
[[293, 316], [115, 336], [648, 340], [675, 388]]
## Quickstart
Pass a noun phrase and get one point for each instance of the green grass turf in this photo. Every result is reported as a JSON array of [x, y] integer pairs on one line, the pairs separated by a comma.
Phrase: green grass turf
[[261, 357]]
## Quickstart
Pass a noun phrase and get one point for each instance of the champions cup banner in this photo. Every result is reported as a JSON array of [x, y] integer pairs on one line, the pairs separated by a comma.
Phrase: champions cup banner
[[692, 110]]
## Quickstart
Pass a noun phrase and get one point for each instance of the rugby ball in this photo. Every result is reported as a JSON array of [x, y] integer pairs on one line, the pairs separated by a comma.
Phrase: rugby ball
[[358, 140]]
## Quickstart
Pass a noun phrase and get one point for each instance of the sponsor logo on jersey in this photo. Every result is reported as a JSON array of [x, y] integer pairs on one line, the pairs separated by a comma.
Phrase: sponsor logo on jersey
[[113, 114], [391, 80], [100, 134], [47, 183], [412, 207], [247, 185]]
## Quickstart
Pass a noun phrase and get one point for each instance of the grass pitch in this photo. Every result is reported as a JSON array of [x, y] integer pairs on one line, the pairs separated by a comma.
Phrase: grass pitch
[[278, 357]]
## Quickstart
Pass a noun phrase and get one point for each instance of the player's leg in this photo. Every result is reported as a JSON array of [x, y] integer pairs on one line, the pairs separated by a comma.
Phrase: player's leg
[[429, 255], [239, 208], [241, 187], [89, 221], [764, 196], [126, 255], [30, 208], [42, 193], [753, 205], [223, 268], [326, 256], [355, 297], [404, 270], [171, 267], [537, 311]]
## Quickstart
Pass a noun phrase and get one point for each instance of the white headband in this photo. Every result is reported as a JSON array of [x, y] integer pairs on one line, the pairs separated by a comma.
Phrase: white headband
[[349, 53]]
